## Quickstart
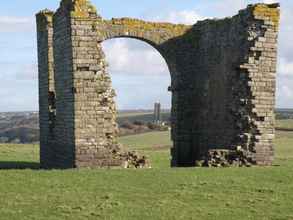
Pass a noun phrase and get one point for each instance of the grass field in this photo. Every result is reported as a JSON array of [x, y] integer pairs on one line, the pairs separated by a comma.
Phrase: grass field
[[287, 123], [140, 116], [157, 193]]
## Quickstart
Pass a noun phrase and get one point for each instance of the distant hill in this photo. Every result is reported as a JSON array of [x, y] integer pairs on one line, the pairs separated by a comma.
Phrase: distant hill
[[19, 127], [23, 127]]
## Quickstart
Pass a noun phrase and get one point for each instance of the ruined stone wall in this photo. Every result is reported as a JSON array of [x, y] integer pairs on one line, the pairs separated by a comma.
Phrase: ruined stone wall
[[222, 83], [260, 72], [46, 83], [95, 110], [63, 131], [225, 98]]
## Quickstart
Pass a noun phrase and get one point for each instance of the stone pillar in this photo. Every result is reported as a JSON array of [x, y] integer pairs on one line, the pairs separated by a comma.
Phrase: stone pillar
[[64, 129], [86, 129], [224, 96], [95, 109], [258, 74], [46, 84]]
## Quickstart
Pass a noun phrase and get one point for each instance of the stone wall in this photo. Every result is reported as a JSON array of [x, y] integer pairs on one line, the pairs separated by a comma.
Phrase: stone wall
[[222, 75], [230, 102], [46, 83], [95, 110]]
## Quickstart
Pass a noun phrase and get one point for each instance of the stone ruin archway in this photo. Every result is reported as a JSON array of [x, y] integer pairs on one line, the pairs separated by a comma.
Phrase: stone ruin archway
[[222, 84], [140, 76]]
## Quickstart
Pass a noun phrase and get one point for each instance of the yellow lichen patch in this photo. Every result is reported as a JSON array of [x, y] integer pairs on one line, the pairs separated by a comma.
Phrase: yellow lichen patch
[[136, 24], [264, 11], [82, 8]]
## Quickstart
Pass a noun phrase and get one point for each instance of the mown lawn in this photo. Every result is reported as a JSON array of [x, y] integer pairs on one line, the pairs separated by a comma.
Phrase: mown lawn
[[157, 193]]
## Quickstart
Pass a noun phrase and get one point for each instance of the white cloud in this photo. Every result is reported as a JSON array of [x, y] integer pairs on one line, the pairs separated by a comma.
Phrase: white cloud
[[14, 20], [133, 57], [182, 17], [16, 24], [286, 32], [269, 1], [285, 62], [285, 68], [224, 8], [284, 92]]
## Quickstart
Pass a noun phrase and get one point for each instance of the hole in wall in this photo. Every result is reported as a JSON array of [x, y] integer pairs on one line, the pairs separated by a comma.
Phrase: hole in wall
[[140, 77], [83, 68]]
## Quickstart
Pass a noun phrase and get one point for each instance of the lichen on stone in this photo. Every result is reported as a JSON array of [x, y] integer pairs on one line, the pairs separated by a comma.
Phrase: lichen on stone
[[266, 11]]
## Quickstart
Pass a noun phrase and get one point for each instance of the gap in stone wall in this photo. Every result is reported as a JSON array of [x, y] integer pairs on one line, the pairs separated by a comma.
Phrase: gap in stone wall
[[139, 73]]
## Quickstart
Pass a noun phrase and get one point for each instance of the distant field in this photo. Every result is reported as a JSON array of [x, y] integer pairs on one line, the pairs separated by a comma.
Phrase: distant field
[[147, 116], [287, 124], [133, 113], [140, 116], [157, 193]]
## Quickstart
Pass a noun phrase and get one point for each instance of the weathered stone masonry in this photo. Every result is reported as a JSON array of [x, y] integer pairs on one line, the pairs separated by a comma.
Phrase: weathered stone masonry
[[222, 82]]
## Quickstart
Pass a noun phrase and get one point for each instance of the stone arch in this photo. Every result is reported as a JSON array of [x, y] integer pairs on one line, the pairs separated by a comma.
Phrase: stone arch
[[155, 34], [148, 42], [238, 113]]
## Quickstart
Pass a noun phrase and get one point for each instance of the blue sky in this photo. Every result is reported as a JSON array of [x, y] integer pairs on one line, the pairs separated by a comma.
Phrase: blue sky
[[139, 73]]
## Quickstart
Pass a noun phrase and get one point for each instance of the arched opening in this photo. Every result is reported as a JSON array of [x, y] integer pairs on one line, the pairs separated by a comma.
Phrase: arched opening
[[140, 76]]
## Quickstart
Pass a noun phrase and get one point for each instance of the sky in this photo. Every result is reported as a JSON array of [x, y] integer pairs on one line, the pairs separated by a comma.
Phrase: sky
[[139, 73]]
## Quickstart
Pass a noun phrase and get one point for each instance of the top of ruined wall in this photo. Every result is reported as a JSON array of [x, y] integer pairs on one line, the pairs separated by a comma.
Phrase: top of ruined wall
[[154, 33], [44, 18], [260, 11], [266, 12], [79, 8], [84, 9]]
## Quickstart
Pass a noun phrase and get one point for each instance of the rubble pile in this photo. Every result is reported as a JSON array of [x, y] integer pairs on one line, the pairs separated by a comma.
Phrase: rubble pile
[[226, 158], [131, 159]]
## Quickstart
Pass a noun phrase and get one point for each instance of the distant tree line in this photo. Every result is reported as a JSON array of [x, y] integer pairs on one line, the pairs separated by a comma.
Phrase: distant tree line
[[282, 114], [25, 128]]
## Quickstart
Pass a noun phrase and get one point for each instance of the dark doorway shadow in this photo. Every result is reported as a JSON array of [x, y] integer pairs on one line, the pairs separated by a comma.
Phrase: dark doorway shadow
[[18, 165]]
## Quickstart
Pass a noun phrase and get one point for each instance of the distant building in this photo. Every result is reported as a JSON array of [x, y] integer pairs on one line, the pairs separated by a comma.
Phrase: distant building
[[157, 113]]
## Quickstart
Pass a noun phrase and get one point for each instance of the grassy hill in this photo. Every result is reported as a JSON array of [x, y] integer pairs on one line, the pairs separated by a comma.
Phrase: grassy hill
[[157, 193]]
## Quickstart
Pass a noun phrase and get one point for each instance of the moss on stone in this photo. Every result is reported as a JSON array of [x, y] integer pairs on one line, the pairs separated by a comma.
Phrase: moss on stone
[[81, 8], [265, 11]]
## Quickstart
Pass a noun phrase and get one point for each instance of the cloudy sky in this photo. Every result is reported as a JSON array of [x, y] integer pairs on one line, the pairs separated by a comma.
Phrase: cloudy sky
[[139, 73]]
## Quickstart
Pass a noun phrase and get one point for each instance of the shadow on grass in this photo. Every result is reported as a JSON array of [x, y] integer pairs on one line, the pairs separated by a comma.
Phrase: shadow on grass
[[18, 165]]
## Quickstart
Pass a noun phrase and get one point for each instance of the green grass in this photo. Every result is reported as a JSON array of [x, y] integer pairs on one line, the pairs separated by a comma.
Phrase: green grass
[[157, 193], [286, 123], [156, 145], [132, 114]]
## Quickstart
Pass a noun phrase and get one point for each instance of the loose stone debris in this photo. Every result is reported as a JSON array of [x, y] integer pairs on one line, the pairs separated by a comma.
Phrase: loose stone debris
[[130, 159], [226, 158]]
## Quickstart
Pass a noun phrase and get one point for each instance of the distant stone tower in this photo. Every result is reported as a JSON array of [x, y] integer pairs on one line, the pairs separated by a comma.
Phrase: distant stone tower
[[157, 113], [223, 80]]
